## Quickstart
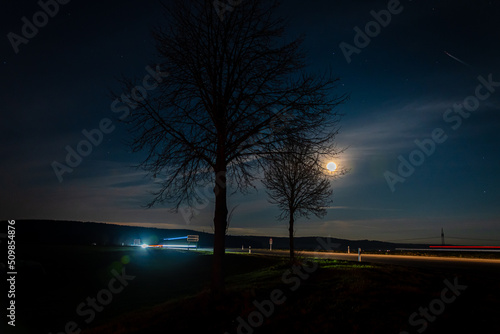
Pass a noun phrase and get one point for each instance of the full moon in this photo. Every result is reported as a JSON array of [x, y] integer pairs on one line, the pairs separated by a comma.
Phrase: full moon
[[332, 166]]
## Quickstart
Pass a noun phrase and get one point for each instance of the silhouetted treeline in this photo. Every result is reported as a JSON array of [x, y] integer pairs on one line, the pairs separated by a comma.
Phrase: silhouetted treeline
[[101, 234]]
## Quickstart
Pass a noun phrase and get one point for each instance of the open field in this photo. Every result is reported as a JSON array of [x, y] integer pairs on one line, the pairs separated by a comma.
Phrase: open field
[[482, 266], [53, 280], [168, 293]]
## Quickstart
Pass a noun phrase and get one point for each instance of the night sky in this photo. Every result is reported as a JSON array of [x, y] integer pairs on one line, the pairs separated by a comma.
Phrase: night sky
[[424, 75]]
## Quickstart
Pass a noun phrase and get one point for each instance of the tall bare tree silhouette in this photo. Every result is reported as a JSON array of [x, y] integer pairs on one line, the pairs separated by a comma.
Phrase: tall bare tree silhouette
[[212, 119], [298, 183]]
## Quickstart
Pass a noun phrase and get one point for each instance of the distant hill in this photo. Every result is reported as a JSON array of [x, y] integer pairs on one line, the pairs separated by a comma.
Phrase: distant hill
[[88, 233]]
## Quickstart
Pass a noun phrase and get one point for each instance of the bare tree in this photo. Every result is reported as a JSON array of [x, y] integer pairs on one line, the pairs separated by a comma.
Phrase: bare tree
[[298, 184], [211, 120]]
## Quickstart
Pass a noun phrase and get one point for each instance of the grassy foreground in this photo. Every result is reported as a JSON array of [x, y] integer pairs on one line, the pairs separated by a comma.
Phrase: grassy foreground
[[54, 281], [169, 294], [329, 297]]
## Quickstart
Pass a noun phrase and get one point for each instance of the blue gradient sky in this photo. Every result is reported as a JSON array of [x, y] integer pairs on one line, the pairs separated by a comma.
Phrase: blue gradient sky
[[400, 87]]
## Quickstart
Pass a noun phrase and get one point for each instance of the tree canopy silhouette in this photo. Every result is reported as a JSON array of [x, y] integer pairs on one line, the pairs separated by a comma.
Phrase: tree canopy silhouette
[[214, 117], [297, 182]]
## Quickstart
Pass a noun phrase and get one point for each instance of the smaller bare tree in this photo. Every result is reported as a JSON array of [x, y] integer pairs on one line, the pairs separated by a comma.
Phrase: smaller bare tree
[[298, 184]]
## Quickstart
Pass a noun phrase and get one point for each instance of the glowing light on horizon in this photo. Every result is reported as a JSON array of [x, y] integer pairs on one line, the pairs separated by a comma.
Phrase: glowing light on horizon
[[179, 238], [465, 247], [172, 246]]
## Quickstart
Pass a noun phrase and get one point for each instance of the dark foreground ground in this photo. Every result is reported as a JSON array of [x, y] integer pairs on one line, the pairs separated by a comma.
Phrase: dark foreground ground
[[63, 289]]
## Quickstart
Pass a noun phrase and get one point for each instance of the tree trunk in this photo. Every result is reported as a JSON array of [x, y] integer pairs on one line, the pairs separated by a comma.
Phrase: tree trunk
[[220, 225], [290, 230]]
